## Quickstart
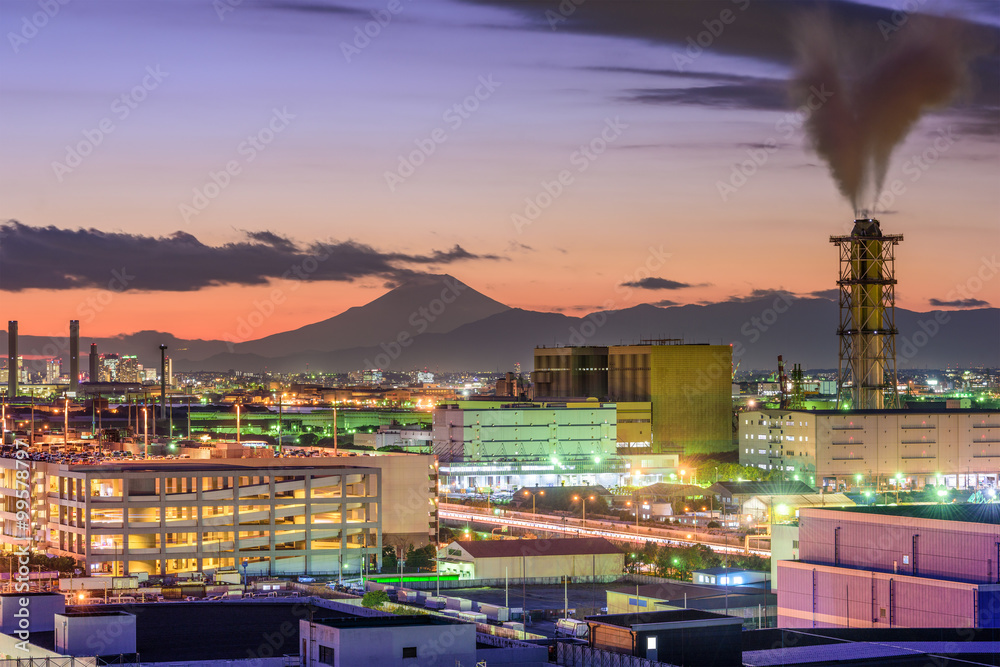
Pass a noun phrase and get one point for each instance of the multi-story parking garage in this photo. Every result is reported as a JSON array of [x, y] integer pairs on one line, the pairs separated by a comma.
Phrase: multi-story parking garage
[[281, 516]]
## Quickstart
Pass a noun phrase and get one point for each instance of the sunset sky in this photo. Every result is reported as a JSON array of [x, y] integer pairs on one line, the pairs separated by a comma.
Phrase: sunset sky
[[162, 94]]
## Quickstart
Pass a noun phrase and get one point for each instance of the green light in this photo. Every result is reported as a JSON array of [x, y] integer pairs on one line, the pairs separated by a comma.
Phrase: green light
[[597, 459], [942, 492], [781, 509], [857, 477]]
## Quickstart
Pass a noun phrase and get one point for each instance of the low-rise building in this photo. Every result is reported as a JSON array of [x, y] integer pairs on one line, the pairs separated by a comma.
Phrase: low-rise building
[[583, 559], [387, 641]]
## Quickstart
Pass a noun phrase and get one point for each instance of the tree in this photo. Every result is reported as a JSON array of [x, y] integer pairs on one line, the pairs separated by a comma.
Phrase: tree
[[374, 599], [420, 558], [389, 561]]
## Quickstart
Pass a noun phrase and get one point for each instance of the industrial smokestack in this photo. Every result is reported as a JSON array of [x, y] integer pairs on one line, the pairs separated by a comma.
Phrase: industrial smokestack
[[867, 280], [94, 362], [163, 383], [12, 366], [74, 355]]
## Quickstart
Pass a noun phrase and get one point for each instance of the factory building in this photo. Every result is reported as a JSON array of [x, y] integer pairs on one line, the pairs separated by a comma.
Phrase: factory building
[[284, 517], [688, 389], [906, 566], [831, 448]]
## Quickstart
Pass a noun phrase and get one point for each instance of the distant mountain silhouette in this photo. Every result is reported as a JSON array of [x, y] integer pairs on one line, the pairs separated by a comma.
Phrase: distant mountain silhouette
[[424, 304], [412, 326]]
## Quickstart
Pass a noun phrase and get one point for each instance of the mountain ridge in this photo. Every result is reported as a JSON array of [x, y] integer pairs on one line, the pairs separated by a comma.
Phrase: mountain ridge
[[441, 323]]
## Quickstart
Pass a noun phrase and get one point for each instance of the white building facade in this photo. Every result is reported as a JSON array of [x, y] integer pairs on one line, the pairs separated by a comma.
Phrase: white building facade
[[836, 448]]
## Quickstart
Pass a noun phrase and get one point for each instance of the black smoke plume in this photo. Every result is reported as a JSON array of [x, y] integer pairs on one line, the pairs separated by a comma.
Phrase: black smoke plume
[[867, 87]]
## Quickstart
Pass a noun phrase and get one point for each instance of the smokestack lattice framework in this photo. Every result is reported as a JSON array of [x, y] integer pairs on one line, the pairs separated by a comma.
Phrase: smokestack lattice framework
[[867, 280]]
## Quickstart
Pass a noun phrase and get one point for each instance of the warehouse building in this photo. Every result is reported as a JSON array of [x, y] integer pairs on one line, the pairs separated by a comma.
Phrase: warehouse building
[[834, 449], [905, 566], [583, 559]]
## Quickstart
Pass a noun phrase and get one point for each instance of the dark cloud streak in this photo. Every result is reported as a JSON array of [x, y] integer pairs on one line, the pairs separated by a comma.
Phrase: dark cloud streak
[[60, 259]]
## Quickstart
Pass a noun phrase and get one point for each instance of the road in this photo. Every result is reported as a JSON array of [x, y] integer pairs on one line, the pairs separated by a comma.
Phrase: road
[[620, 532]]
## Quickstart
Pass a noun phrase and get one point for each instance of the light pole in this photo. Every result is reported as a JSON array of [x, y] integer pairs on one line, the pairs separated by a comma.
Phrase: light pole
[[145, 430], [584, 499], [237, 422], [66, 423], [529, 493]]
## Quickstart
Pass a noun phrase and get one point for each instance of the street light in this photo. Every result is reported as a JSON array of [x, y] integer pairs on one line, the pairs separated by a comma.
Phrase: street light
[[584, 522], [529, 493]]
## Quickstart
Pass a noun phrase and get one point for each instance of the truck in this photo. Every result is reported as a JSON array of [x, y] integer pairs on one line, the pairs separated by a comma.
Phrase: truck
[[570, 627], [495, 612]]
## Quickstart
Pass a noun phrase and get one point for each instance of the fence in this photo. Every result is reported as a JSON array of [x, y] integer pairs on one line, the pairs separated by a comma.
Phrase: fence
[[66, 661], [577, 655], [499, 583]]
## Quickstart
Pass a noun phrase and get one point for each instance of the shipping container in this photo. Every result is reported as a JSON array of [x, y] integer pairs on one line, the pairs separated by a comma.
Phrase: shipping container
[[495, 612], [472, 616], [459, 604]]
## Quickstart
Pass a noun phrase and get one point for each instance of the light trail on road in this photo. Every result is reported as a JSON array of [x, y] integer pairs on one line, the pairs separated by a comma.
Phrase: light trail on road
[[556, 527]]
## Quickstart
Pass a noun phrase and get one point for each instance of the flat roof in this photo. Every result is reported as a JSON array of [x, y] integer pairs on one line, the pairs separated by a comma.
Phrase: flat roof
[[79, 612], [214, 465], [561, 546], [665, 617], [225, 630], [727, 570], [387, 621], [967, 512]]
